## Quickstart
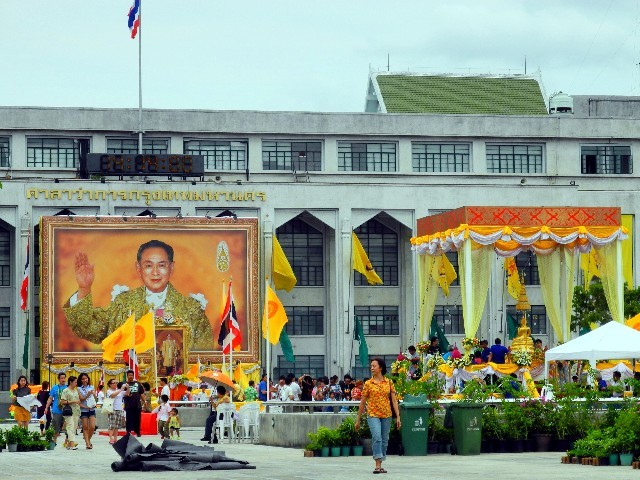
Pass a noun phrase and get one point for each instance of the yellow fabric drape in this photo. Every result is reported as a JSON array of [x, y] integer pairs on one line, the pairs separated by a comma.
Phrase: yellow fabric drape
[[428, 294], [556, 281], [627, 251], [589, 266], [611, 268], [475, 275]]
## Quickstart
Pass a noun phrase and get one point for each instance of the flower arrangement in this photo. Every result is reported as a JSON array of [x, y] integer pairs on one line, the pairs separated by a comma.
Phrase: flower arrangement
[[470, 344], [422, 347], [178, 379], [434, 361], [522, 358], [538, 355], [460, 362], [400, 367]]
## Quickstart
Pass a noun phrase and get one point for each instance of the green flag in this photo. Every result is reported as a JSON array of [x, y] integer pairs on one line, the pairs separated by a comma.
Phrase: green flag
[[436, 331], [25, 352], [512, 326], [363, 351], [287, 348]]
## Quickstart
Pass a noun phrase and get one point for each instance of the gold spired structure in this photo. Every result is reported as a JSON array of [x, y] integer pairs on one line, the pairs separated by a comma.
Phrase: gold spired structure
[[523, 340]]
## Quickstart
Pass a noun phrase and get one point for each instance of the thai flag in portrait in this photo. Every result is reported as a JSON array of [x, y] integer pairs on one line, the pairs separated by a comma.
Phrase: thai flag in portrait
[[24, 288], [134, 18], [233, 340]]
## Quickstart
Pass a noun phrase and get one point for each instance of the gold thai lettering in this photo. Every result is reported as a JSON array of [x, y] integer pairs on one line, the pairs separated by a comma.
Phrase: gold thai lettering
[[147, 197], [32, 192], [68, 192], [123, 195], [55, 194], [262, 196], [134, 195], [79, 193], [156, 195], [249, 196], [46, 194], [168, 195], [184, 195]]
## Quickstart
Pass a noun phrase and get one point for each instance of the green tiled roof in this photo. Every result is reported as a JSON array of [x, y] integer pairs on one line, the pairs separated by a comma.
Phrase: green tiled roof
[[461, 95]]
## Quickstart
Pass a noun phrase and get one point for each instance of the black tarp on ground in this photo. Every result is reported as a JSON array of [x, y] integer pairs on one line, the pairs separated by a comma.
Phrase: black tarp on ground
[[172, 455]]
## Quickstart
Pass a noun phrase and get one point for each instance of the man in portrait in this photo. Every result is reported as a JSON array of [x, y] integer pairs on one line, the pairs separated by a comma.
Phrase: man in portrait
[[154, 265], [169, 353]]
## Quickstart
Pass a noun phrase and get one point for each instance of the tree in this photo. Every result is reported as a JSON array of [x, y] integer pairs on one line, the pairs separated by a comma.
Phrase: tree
[[590, 305]]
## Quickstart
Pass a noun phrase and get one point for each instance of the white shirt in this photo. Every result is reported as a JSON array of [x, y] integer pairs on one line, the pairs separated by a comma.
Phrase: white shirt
[[117, 400], [285, 393], [155, 299], [166, 391], [163, 411], [297, 391]]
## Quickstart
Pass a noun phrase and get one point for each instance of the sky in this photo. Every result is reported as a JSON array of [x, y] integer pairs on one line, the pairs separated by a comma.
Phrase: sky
[[282, 55]]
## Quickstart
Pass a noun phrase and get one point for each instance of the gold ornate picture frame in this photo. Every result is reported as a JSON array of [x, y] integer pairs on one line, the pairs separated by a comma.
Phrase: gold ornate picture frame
[[171, 350]]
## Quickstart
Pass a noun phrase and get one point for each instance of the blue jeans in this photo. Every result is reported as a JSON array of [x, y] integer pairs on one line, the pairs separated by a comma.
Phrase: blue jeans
[[379, 436]]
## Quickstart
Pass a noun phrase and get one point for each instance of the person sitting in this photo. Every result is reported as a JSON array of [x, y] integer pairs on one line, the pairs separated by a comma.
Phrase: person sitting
[[434, 346], [446, 356], [215, 400], [486, 351], [477, 357], [616, 386], [498, 351], [250, 393], [356, 392]]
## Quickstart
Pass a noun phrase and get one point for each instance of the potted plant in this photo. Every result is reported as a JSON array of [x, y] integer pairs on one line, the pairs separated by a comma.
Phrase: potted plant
[[492, 431], [312, 448], [2, 440], [323, 438], [517, 425], [334, 443], [365, 436], [13, 437], [49, 437], [349, 435]]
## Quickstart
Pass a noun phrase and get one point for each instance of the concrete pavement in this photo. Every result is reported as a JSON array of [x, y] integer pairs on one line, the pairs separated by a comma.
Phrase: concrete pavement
[[287, 463]]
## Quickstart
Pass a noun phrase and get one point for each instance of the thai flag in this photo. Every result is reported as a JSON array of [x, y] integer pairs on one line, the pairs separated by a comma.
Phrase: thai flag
[[233, 340], [134, 18], [132, 361], [24, 288]]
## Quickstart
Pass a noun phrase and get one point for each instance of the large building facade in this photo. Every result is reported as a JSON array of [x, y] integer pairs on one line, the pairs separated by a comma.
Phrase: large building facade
[[311, 179]]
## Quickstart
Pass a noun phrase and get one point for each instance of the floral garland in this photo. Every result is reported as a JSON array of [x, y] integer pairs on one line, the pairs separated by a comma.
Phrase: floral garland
[[461, 362], [400, 367], [422, 347], [434, 361], [470, 344], [178, 379], [93, 368], [522, 358]]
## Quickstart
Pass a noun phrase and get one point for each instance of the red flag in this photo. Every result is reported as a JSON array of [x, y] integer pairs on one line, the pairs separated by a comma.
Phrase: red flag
[[234, 337], [24, 288], [132, 361]]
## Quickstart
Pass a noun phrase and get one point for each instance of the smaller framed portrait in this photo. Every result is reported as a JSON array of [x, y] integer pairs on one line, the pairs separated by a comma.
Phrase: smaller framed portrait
[[171, 351]]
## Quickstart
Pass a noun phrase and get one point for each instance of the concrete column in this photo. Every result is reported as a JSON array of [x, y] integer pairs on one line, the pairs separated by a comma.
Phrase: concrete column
[[330, 155], [404, 164], [344, 325]]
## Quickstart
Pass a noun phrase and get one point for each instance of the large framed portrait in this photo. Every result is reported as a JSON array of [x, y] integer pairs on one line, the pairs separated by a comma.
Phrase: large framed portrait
[[98, 271], [171, 354]]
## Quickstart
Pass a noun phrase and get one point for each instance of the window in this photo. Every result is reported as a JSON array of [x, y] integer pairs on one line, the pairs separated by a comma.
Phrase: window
[[299, 156], [5, 257], [436, 157], [536, 319], [606, 159], [305, 320], [381, 245], [5, 158], [360, 372], [219, 154], [129, 146], [5, 322], [304, 247], [449, 317], [36, 321], [366, 157], [527, 263], [304, 364], [5, 373], [378, 320], [514, 159], [53, 152]]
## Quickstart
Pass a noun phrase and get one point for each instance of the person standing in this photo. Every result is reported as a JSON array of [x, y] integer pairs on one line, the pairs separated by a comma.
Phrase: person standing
[[378, 396], [53, 405], [87, 408], [134, 395], [43, 398], [250, 393], [262, 389], [116, 418], [165, 387], [163, 409], [71, 396], [21, 415]]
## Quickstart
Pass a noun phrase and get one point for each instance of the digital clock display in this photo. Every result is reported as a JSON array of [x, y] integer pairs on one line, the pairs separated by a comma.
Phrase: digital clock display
[[145, 165]]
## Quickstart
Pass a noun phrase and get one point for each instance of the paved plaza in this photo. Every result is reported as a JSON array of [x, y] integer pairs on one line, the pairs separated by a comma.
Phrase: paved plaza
[[287, 463]]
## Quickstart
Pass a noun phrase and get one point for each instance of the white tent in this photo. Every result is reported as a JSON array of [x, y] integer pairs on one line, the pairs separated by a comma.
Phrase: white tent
[[609, 341]]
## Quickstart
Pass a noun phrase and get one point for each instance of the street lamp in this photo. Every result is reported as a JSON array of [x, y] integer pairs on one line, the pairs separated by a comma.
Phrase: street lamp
[[49, 361]]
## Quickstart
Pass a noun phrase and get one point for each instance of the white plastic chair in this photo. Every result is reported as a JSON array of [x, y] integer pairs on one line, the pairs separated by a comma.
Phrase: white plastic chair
[[249, 421], [225, 421]]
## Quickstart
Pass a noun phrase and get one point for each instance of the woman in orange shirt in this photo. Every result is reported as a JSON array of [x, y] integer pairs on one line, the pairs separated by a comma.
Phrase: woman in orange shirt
[[379, 396]]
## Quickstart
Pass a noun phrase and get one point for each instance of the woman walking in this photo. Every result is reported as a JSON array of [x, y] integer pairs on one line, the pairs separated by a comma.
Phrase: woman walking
[[43, 397], [379, 396], [21, 414], [87, 408], [116, 417], [71, 396]]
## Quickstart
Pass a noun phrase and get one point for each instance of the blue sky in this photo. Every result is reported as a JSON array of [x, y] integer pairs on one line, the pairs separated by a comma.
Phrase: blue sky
[[311, 56]]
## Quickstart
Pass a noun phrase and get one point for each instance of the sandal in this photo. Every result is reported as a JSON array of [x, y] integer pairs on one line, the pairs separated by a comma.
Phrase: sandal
[[382, 470], [376, 470]]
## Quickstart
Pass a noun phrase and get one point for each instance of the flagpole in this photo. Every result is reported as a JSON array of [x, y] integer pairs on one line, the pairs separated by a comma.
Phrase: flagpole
[[155, 353], [266, 283], [140, 80]]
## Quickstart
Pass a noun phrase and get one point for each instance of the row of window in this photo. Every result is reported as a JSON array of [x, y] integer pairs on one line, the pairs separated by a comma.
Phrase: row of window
[[314, 365], [223, 155]]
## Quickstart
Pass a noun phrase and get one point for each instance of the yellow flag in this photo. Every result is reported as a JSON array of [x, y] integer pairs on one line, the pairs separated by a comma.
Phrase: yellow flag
[[120, 339], [240, 377], [283, 276], [361, 261], [589, 265], [145, 333], [443, 273], [513, 279], [274, 315]]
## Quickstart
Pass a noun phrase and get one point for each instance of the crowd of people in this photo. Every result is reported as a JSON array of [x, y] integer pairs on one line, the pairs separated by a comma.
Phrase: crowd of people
[[305, 388]]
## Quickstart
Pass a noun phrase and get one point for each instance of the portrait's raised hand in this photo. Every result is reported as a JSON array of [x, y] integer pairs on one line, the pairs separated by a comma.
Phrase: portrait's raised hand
[[84, 274]]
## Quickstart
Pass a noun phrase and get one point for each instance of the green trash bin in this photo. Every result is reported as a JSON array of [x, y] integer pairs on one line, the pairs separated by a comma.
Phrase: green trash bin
[[466, 419], [414, 414]]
